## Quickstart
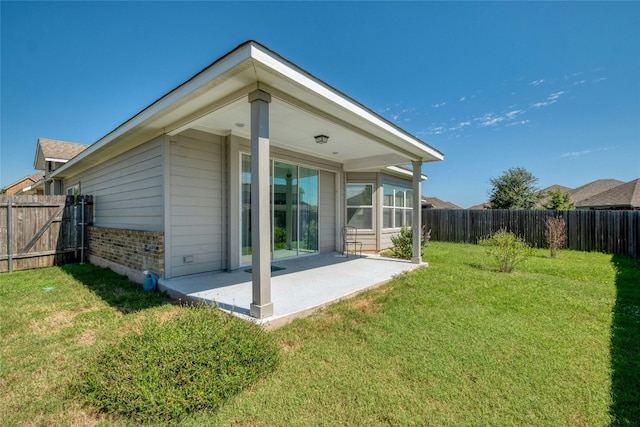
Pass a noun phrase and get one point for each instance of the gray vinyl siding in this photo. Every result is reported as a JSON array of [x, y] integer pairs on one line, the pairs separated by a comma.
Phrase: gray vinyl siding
[[127, 189], [196, 205], [327, 212]]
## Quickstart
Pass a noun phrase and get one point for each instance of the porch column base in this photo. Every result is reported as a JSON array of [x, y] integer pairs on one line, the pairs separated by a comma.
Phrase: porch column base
[[416, 260], [261, 311]]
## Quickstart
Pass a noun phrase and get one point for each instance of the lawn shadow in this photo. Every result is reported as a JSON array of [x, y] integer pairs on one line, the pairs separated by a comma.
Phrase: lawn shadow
[[625, 344], [116, 290]]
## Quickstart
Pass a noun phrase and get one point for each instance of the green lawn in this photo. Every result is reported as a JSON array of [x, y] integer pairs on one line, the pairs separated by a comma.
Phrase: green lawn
[[554, 343]]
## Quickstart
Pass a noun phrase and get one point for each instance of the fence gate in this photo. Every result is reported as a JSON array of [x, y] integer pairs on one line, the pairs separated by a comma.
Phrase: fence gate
[[40, 231]]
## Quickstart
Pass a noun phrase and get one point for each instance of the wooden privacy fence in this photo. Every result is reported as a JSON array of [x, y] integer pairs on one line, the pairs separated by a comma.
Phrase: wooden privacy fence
[[40, 231], [613, 232]]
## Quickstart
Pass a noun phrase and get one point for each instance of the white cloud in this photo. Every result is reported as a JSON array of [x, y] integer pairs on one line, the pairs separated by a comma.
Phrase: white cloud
[[490, 120], [556, 95], [442, 104], [601, 79], [551, 99], [537, 82], [586, 152], [518, 123], [576, 153], [463, 98]]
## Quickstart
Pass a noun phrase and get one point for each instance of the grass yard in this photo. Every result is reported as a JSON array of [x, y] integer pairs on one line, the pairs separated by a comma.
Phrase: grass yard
[[555, 343]]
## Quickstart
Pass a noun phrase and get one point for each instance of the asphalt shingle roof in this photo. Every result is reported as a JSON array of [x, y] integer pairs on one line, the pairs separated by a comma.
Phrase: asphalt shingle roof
[[54, 149], [622, 196]]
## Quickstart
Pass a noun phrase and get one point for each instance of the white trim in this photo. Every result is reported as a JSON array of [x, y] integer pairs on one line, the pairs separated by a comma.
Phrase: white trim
[[274, 64], [328, 93], [406, 172], [215, 70], [53, 159]]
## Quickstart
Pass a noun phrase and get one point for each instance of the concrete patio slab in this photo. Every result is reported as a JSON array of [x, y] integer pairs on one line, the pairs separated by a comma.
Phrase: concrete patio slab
[[299, 287]]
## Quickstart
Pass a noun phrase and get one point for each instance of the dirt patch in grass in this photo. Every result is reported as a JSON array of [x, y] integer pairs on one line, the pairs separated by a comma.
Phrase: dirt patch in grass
[[87, 337], [56, 322], [368, 304]]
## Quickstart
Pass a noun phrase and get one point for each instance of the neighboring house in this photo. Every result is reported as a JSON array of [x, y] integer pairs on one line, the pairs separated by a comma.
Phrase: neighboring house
[[481, 206], [435, 203], [623, 196], [578, 195], [593, 188], [193, 182], [25, 185], [544, 194], [51, 154]]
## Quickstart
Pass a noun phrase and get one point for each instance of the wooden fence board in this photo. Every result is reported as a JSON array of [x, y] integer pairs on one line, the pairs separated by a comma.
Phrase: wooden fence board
[[40, 231], [614, 232]]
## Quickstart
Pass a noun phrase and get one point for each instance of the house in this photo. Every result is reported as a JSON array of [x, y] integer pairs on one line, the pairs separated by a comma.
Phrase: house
[[435, 203], [249, 149], [25, 185], [592, 188], [50, 155], [623, 196], [481, 206]]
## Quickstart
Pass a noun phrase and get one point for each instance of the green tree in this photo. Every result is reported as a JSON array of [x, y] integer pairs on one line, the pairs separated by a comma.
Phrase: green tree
[[558, 200], [515, 189]]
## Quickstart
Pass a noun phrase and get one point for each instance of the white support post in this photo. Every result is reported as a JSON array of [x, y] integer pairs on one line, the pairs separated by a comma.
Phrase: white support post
[[261, 306], [417, 213]]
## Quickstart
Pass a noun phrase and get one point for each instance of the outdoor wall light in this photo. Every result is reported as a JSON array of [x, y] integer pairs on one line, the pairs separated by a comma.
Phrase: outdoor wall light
[[321, 139]]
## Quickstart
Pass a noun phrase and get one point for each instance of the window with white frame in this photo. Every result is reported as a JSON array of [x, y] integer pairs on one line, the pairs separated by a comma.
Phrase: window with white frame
[[360, 205], [397, 206]]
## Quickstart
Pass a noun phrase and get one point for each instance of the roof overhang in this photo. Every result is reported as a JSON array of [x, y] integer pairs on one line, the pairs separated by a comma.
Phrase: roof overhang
[[216, 101]]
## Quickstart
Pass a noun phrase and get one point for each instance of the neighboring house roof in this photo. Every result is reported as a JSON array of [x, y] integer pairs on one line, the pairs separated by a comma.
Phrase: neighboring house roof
[[52, 150], [624, 196], [593, 188], [481, 206], [24, 185], [435, 203], [556, 187], [301, 106]]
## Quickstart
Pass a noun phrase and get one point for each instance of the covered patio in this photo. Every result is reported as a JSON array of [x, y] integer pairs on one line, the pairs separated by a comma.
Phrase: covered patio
[[301, 285]]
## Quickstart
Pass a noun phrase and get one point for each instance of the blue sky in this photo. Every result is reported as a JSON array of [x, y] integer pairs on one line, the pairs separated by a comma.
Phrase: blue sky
[[553, 87]]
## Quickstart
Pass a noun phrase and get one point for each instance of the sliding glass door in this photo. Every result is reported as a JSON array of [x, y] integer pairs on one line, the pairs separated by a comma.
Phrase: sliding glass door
[[294, 210]]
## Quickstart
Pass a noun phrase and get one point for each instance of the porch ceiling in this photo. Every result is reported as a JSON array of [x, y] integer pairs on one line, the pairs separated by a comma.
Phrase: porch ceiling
[[294, 129]]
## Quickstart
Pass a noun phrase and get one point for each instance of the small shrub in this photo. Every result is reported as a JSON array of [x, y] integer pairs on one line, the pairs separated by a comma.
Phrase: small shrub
[[193, 362], [507, 249], [555, 234], [402, 244], [426, 237]]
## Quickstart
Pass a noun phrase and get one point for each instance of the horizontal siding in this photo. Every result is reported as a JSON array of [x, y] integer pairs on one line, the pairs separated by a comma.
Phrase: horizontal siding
[[368, 239], [385, 239], [127, 189], [327, 212], [196, 188]]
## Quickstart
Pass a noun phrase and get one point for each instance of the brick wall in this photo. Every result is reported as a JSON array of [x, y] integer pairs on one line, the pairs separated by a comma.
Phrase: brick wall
[[133, 250]]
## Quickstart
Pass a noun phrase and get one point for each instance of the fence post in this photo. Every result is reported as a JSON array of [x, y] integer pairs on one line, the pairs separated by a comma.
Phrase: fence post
[[82, 207], [9, 237]]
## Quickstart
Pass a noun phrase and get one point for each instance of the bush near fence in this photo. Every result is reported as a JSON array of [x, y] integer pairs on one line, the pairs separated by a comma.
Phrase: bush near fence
[[613, 232]]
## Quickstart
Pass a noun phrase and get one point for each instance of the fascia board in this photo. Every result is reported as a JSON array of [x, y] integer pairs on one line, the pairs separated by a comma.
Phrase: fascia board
[[215, 70], [405, 172], [53, 159], [330, 94]]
